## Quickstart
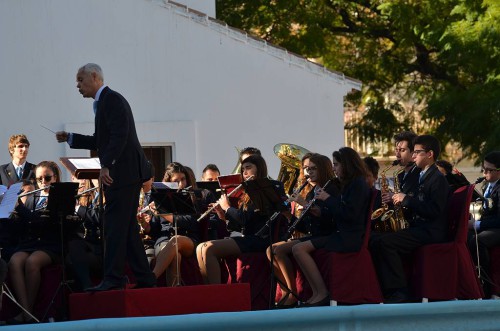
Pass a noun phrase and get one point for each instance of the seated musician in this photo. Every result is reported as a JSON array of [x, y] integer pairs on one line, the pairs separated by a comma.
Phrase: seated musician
[[315, 223], [161, 228], [18, 169], [349, 213], [488, 226], [245, 219], [210, 173], [427, 205], [85, 253], [39, 245]]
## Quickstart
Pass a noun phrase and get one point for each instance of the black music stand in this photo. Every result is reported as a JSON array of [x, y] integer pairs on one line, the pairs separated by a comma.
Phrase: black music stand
[[61, 206], [213, 187], [172, 201], [263, 194]]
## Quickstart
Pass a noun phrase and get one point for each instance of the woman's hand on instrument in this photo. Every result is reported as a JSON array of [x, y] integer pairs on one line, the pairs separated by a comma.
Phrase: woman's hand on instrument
[[321, 195], [224, 202], [298, 199], [218, 210]]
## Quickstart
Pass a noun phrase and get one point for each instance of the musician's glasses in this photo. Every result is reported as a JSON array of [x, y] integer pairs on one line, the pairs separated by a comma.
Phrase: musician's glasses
[[44, 178], [486, 170]]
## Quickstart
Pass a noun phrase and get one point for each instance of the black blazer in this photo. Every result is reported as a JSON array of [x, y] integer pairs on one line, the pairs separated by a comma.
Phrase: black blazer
[[349, 211], [8, 174], [428, 207], [115, 140], [409, 183], [490, 218]]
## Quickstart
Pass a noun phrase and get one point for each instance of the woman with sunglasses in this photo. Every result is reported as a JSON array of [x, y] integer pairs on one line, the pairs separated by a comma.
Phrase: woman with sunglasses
[[245, 219], [39, 245], [349, 211], [316, 222]]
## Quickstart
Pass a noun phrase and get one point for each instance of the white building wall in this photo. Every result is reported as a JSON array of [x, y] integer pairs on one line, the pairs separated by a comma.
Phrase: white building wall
[[192, 83]]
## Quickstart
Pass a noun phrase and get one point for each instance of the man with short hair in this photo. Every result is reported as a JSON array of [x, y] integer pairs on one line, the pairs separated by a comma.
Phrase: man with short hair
[[210, 173], [18, 169], [427, 222], [124, 168]]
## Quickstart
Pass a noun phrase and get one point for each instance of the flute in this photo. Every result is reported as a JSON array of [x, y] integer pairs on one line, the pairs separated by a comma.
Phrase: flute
[[209, 210]]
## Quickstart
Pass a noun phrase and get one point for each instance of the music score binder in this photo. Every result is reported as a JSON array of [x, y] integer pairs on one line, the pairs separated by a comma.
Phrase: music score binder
[[170, 201], [228, 183], [82, 167]]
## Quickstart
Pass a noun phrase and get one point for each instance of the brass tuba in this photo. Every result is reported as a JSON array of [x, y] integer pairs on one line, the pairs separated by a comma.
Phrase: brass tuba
[[291, 162], [237, 168]]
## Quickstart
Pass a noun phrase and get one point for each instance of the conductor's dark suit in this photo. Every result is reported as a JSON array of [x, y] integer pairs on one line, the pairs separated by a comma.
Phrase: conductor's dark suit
[[9, 176], [118, 148]]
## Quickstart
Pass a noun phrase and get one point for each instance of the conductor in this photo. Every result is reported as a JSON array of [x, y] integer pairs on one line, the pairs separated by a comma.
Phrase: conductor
[[123, 169]]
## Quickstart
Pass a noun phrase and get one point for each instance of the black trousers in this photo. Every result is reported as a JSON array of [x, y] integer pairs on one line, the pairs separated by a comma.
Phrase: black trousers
[[388, 251], [485, 240], [122, 242]]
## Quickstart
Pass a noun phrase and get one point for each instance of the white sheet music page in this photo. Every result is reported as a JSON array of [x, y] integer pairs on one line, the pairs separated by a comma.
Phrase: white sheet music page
[[91, 163], [9, 200]]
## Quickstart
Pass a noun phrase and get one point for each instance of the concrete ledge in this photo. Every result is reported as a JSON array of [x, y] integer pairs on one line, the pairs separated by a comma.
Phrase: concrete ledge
[[452, 315]]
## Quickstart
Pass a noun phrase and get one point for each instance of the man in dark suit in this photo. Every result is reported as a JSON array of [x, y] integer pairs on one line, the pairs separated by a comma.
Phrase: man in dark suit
[[488, 226], [19, 169], [427, 205], [123, 169]]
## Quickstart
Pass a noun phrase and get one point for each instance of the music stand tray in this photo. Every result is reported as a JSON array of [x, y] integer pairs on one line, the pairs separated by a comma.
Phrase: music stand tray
[[62, 198], [168, 201]]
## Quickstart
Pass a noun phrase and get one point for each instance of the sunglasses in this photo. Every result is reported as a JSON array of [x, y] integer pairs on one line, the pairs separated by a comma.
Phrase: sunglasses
[[44, 178]]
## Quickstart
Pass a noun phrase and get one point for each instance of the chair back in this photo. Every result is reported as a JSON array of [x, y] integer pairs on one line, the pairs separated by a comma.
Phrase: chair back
[[458, 213], [373, 194]]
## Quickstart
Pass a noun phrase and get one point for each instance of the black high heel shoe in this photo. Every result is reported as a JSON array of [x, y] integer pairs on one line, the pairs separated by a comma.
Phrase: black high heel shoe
[[323, 302], [281, 304]]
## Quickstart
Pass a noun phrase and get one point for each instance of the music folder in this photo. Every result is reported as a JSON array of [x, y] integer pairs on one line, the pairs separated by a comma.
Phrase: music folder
[[82, 167], [228, 183]]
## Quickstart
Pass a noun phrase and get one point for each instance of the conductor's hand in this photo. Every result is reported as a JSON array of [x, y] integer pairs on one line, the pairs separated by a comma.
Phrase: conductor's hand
[[104, 176], [62, 136]]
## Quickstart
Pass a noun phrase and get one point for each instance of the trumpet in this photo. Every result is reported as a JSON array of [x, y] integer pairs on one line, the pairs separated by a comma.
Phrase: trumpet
[[236, 189]]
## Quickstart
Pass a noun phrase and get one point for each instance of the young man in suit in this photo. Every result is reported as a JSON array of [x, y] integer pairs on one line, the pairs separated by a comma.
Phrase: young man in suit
[[18, 169], [124, 168], [426, 205], [488, 226]]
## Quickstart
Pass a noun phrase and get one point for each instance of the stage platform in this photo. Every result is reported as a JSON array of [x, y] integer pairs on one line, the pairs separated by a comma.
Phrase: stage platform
[[450, 315], [160, 301]]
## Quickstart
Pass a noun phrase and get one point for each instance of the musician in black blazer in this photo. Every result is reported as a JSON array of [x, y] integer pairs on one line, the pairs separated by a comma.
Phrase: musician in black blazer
[[348, 210], [123, 169], [488, 226], [427, 224], [18, 149]]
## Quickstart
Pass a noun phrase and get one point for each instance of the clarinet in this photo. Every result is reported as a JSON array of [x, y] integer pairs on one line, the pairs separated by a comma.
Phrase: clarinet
[[292, 227]]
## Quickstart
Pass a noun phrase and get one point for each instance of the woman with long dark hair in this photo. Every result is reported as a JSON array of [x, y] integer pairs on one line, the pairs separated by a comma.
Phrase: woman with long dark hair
[[245, 218], [349, 211]]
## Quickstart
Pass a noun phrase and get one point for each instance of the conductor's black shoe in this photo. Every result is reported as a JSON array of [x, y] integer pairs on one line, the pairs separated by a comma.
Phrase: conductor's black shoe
[[398, 297], [105, 286]]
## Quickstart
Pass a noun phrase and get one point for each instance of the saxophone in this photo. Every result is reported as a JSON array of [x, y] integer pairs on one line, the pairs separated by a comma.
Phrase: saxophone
[[402, 223], [387, 222]]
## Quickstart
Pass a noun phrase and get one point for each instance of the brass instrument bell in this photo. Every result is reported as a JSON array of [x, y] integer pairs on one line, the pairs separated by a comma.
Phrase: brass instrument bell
[[291, 162]]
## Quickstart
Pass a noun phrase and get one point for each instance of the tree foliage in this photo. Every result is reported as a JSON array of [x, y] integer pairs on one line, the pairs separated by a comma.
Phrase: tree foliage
[[440, 55]]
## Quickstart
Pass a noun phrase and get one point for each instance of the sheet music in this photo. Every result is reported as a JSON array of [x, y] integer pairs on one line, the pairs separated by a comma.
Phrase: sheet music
[[170, 185], [91, 163], [9, 200]]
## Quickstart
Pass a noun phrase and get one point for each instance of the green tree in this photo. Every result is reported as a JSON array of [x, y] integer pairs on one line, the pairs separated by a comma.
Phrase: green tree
[[441, 56]]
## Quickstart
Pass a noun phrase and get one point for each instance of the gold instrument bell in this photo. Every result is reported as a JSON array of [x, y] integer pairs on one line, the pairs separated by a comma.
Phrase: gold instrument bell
[[291, 162]]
